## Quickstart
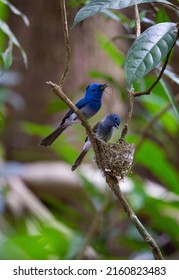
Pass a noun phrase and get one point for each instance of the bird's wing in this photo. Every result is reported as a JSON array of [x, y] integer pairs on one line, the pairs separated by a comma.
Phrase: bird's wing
[[95, 128], [80, 104]]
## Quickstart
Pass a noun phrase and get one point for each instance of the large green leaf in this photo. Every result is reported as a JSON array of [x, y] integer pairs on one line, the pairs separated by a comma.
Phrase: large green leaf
[[149, 49], [97, 6]]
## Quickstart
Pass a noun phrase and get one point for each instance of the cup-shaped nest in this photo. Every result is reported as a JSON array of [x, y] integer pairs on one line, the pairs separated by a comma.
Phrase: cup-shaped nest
[[116, 159]]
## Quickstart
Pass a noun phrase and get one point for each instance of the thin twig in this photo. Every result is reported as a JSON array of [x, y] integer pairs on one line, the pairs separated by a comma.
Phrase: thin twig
[[113, 184], [67, 42], [129, 116], [137, 21], [148, 126]]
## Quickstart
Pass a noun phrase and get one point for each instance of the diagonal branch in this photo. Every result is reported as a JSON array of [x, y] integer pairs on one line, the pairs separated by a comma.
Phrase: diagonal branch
[[113, 184]]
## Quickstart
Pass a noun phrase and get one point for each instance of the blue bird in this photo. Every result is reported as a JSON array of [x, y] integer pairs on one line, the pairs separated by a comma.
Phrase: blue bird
[[103, 130], [89, 106]]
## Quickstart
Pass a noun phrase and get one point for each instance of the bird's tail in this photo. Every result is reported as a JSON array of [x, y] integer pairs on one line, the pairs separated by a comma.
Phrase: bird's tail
[[79, 160], [47, 141]]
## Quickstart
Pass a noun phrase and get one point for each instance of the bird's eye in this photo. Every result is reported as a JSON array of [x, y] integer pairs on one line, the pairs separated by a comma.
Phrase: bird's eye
[[93, 90], [115, 119]]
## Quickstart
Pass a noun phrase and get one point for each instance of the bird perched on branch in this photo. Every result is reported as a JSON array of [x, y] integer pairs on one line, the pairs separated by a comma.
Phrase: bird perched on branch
[[89, 106], [103, 130]]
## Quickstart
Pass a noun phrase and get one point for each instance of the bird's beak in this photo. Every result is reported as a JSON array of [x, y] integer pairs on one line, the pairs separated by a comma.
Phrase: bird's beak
[[103, 86], [117, 125]]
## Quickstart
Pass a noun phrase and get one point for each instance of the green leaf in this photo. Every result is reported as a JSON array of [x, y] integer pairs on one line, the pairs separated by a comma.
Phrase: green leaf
[[7, 58], [35, 129], [16, 11], [110, 48], [168, 120], [97, 6], [153, 158], [170, 97], [149, 49], [162, 16], [5, 28]]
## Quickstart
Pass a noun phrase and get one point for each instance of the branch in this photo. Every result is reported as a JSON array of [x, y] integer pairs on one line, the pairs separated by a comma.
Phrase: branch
[[113, 184], [67, 42]]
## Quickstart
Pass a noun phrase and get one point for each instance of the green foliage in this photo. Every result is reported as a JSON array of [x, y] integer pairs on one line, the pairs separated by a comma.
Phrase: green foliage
[[160, 167], [148, 50], [6, 57], [16, 11], [13, 40], [96, 6], [110, 48]]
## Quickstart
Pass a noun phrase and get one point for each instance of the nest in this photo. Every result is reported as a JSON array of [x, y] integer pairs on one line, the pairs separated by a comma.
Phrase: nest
[[115, 159]]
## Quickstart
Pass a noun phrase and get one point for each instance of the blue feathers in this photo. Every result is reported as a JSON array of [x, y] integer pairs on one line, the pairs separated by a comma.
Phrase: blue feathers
[[89, 106]]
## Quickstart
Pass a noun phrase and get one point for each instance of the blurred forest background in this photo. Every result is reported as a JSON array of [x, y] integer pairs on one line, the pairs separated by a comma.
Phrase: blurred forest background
[[47, 211]]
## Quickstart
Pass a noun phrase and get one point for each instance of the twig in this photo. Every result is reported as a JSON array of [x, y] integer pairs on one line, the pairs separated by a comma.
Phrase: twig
[[129, 116], [137, 21], [67, 42], [146, 128], [113, 184]]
